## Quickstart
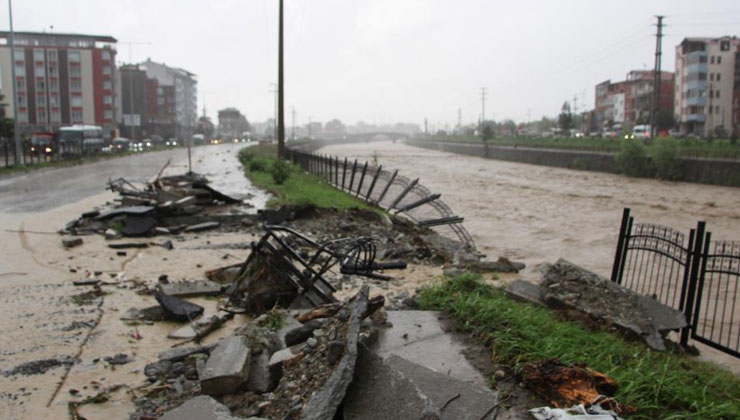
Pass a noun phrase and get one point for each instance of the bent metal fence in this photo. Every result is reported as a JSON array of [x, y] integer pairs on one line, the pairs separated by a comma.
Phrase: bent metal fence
[[386, 189], [690, 273]]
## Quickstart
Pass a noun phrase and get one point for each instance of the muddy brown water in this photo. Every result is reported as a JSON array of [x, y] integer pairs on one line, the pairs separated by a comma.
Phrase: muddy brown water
[[537, 214]]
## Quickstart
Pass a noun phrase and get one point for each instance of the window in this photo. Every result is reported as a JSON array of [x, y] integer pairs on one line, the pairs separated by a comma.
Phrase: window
[[53, 100], [75, 71], [108, 114], [724, 46], [41, 115], [74, 56], [20, 84], [53, 84], [75, 85], [719, 59], [20, 70], [40, 85], [703, 59], [20, 55], [716, 109], [105, 55], [41, 100], [55, 116], [53, 71], [21, 100], [22, 116], [716, 94], [40, 72], [76, 101], [106, 70], [51, 55], [107, 85], [712, 60], [711, 77], [107, 99], [38, 55], [718, 76], [76, 116], [702, 76]]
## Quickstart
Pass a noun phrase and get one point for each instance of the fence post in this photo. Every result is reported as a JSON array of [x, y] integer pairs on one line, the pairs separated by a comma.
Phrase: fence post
[[616, 275], [372, 184], [362, 179], [344, 172], [687, 270], [696, 261], [336, 170], [352, 177], [387, 186]]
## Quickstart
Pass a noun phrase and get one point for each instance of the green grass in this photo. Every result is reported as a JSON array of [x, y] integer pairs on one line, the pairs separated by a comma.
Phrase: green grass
[[300, 188], [659, 385], [718, 148]]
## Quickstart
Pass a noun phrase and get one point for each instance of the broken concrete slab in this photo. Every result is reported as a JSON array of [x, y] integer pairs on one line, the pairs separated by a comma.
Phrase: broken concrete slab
[[303, 332], [149, 314], [177, 309], [419, 337], [180, 353], [187, 332], [134, 226], [566, 285], [262, 377], [191, 288], [525, 291], [287, 353], [71, 242], [201, 407], [397, 388], [227, 368], [202, 226], [127, 245], [111, 234], [184, 202], [86, 282], [128, 211]]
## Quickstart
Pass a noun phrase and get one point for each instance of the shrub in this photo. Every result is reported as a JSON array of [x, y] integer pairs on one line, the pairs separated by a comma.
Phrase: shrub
[[280, 171], [633, 160], [579, 164], [256, 165], [664, 154]]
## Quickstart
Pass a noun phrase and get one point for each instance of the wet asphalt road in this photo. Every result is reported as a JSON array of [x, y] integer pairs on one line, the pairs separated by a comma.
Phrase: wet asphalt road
[[49, 188]]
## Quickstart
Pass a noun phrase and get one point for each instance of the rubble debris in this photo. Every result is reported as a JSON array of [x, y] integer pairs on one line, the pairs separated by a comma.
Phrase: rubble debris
[[191, 288], [126, 245], [150, 314], [180, 353], [201, 407], [38, 367], [564, 386], [227, 367], [302, 333], [112, 234], [127, 211], [71, 242], [87, 282], [525, 291], [118, 359], [566, 285], [224, 274], [202, 226], [167, 245], [323, 311], [177, 309]]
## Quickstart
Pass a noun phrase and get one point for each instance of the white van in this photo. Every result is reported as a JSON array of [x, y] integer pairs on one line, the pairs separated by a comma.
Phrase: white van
[[641, 132]]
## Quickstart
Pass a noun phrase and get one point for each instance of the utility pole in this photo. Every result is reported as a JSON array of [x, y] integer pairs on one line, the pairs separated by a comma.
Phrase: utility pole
[[281, 89], [16, 133], [656, 79], [482, 106]]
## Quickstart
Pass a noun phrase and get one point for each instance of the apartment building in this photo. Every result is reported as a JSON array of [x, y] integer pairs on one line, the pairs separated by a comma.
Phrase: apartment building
[[232, 124], [707, 85], [60, 79], [629, 102], [176, 98]]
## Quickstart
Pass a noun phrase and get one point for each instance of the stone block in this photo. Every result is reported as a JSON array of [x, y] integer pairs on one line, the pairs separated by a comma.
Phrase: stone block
[[227, 368]]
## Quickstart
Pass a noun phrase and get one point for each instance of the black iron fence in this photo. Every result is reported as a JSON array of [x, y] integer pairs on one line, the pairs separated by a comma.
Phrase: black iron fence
[[34, 154], [690, 273], [386, 189]]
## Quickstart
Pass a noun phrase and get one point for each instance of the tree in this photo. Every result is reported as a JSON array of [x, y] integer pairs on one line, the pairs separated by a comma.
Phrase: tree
[[486, 131], [565, 119], [6, 124], [665, 120]]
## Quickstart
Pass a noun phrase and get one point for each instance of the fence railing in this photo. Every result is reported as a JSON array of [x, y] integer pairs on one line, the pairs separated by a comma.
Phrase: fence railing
[[32, 155], [690, 273], [386, 189]]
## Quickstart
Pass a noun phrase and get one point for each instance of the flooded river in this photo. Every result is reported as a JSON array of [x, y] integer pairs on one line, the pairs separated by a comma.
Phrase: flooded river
[[538, 214]]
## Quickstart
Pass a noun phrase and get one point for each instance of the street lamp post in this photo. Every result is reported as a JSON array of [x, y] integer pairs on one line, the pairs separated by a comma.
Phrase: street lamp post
[[16, 133]]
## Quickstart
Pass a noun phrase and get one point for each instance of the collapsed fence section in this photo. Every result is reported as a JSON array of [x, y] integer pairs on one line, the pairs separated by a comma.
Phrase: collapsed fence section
[[688, 272], [386, 189]]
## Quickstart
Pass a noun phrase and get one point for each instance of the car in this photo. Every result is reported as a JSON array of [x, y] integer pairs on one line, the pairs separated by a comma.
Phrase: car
[[641, 131], [121, 144], [676, 134]]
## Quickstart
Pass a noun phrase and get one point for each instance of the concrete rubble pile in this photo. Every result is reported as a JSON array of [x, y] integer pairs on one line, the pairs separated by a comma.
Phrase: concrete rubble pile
[[166, 205]]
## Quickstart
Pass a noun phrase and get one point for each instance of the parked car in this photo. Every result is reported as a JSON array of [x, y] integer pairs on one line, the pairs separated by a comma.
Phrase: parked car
[[120, 144], [676, 134], [641, 131]]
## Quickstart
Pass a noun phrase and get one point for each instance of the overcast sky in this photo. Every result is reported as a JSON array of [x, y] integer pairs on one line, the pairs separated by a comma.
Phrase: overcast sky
[[391, 60]]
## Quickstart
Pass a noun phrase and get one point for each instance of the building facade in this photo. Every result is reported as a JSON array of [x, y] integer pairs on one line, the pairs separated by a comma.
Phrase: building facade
[[629, 102], [232, 124], [707, 85], [176, 99], [61, 79]]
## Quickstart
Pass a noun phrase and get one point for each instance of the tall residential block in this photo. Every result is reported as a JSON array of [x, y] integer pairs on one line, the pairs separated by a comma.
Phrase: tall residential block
[[61, 79], [176, 97], [708, 85], [629, 102]]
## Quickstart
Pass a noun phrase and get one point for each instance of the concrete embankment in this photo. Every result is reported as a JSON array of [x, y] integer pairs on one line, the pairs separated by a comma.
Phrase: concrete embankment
[[699, 170]]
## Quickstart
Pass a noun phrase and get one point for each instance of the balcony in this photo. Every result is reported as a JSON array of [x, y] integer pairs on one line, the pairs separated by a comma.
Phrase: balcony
[[696, 101], [693, 118]]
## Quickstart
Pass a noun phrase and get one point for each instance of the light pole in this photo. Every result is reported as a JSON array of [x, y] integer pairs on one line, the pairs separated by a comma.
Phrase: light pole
[[16, 133], [281, 90]]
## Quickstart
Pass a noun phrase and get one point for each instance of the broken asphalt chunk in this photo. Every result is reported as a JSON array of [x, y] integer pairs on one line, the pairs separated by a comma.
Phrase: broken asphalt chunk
[[201, 407], [71, 242], [202, 226], [138, 225], [177, 309], [126, 245], [191, 288]]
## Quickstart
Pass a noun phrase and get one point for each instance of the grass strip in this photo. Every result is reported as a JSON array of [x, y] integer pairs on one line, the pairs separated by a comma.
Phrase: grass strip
[[263, 168], [660, 385]]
